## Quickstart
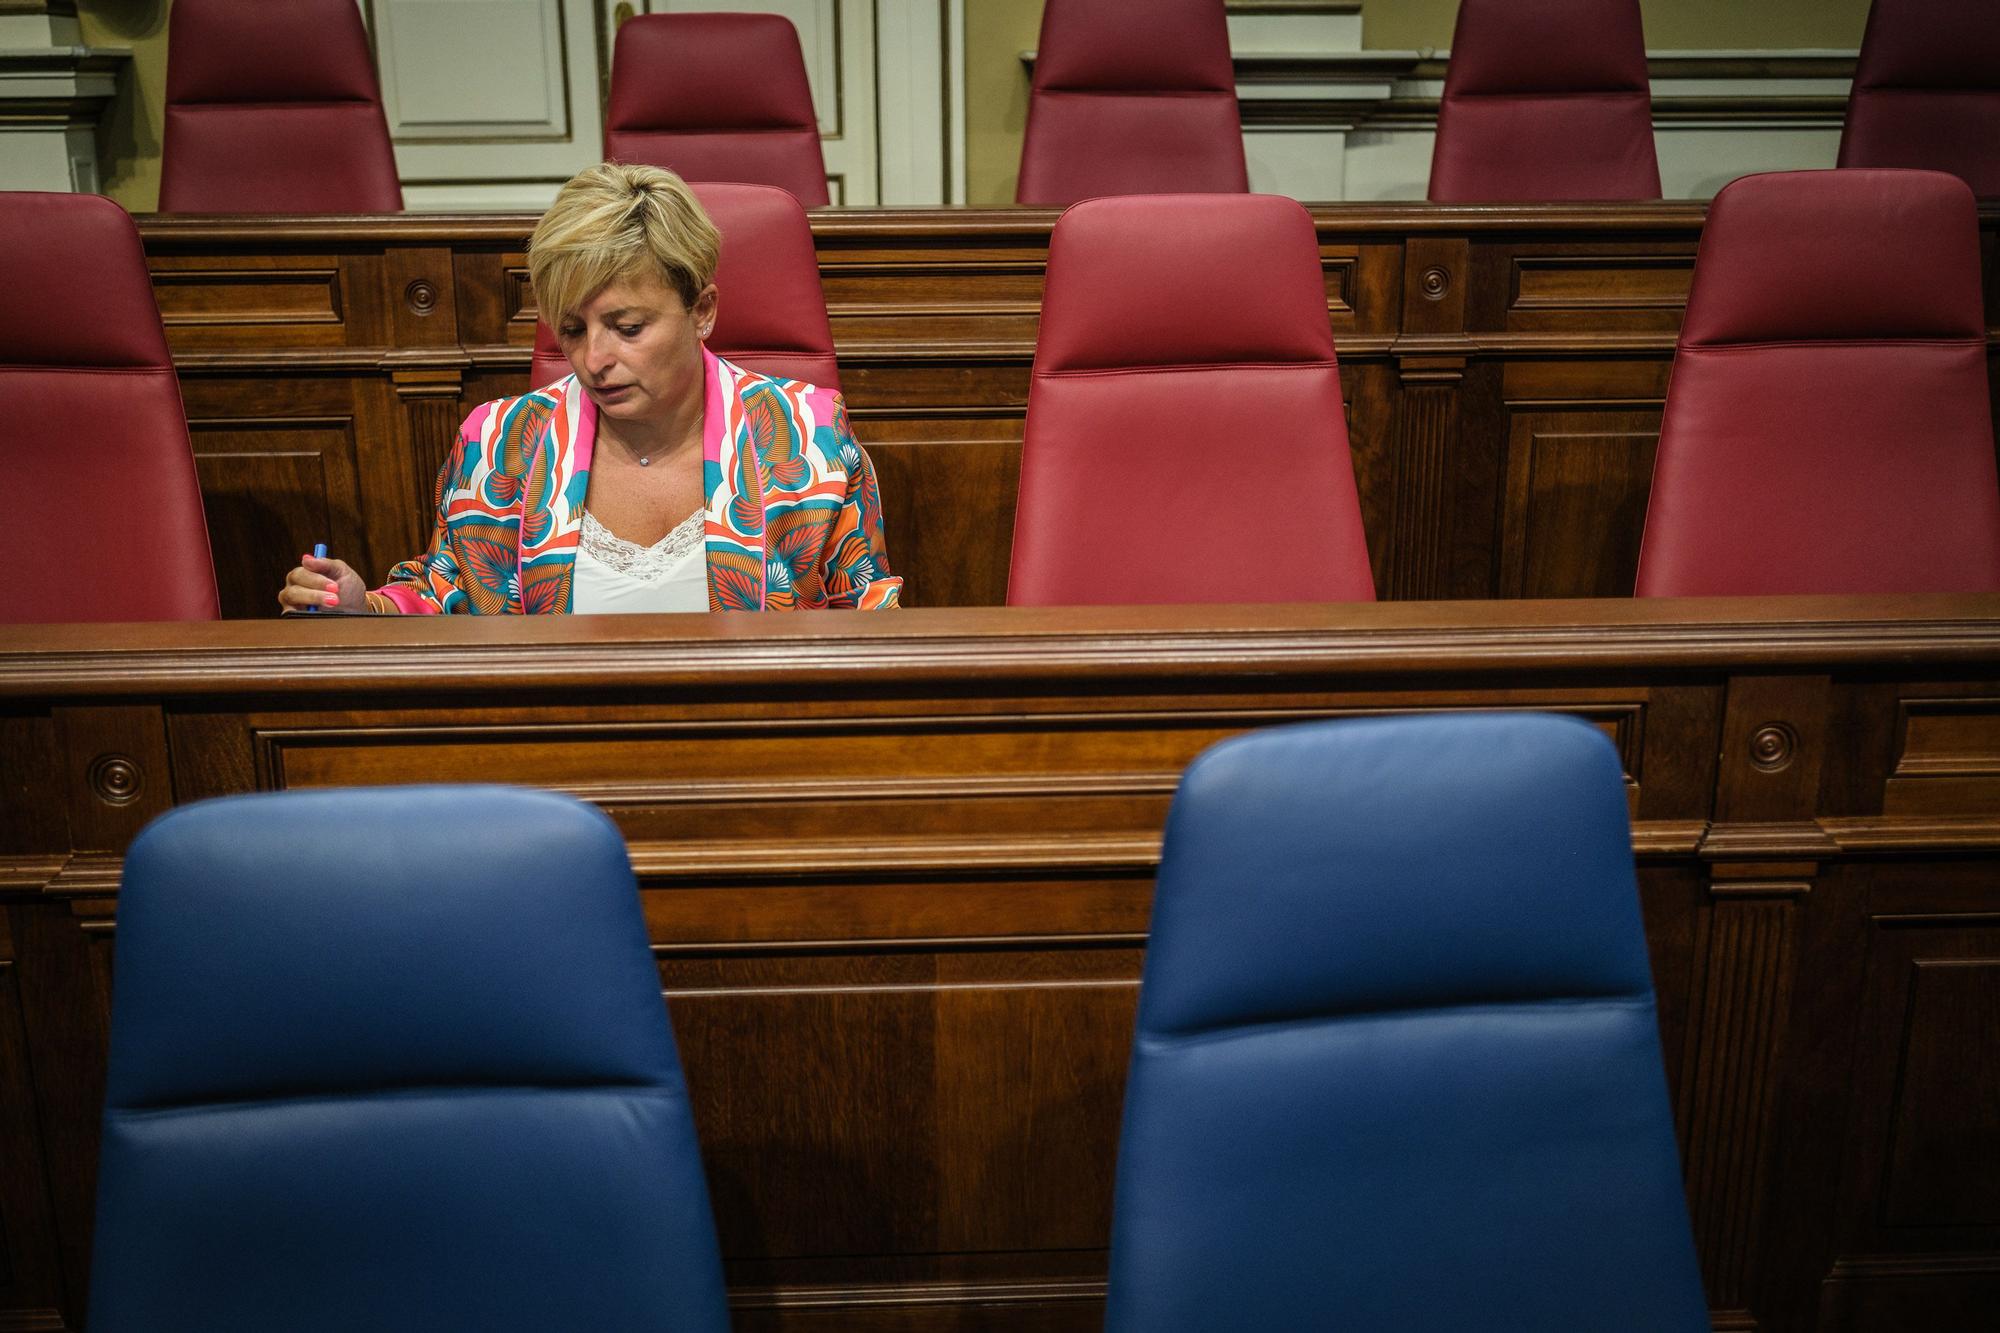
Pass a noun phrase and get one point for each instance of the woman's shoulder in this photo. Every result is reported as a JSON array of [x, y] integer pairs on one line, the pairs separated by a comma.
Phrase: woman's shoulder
[[531, 409], [750, 381]]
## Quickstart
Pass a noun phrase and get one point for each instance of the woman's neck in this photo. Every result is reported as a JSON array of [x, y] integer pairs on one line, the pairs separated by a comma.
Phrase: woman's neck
[[656, 438]]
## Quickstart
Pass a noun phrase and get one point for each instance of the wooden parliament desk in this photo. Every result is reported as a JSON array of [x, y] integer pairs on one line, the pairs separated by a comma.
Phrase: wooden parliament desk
[[1503, 367], [897, 870]]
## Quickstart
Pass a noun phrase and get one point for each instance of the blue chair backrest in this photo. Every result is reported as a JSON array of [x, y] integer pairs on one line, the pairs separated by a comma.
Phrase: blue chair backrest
[[1397, 1065], [394, 1059]]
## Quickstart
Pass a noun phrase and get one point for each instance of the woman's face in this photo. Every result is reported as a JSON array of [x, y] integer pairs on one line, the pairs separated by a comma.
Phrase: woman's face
[[636, 347]]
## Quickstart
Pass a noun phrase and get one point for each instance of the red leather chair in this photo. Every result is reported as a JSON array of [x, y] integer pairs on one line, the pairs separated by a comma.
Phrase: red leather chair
[[1545, 100], [1131, 97], [1927, 91], [105, 519], [548, 363], [1185, 438], [716, 97], [273, 108], [771, 316], [1828, 428]]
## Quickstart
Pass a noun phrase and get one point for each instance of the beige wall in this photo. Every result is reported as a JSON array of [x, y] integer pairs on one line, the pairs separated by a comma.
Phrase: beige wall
[[996, 94], [996, 85], [997, 31], [128, 139]]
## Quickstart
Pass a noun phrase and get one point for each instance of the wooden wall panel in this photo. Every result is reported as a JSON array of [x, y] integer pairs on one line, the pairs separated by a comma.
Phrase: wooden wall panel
[[1948, 761], [897, 874], [219, 297], [31, 1292], [1919, 1231], [1942, 1104], [1587, 290], [273, 487], [1574, 481], [265, 301], [954, 505]]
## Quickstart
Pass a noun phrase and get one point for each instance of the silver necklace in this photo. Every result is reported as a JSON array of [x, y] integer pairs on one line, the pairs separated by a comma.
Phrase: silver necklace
[[645, 459]]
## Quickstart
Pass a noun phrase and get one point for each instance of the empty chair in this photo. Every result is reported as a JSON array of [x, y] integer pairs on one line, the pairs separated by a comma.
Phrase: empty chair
[[1927, 91], [1131, 97], [771, 313], [1828, 427], [1397, 1064], [393, 1059], [1185, 438], [1545, 100], [273, 108], [107, 521], [716, 97]]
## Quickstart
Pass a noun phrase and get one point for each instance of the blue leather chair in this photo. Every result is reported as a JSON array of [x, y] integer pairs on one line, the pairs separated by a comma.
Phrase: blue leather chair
[[394, 1059], [1397, 1065]]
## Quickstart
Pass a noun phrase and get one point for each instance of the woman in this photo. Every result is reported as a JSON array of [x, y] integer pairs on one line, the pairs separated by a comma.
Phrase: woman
[[657, 477]]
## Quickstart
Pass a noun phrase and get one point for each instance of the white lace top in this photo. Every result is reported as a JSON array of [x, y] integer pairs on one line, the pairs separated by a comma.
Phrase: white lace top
[[614, 575]]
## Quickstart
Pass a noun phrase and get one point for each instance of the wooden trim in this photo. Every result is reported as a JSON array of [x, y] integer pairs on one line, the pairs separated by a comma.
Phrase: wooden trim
[[364, 655], [838, 228]]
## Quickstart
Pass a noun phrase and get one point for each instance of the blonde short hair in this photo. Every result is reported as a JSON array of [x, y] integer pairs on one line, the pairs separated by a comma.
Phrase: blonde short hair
[[615, 221]]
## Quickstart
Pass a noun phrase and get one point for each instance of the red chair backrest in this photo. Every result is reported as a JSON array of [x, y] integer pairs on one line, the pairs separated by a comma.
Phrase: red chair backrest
[[1828, 428], [771, 313], [1927, 91], [1186, 440], [273, 108], [1131, 97], [548, 363], [716, 97], [106, 520], [1545, 100]]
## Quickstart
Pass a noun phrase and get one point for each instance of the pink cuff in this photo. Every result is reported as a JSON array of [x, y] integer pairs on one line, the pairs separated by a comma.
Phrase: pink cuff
[[408, 600]]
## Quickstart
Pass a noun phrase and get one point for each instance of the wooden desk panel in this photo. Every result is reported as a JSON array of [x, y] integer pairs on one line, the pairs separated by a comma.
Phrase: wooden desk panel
[[1504, 369], [897, 872]]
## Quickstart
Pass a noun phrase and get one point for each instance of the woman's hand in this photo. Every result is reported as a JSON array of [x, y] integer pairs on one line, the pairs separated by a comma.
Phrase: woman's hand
[[320, 583]]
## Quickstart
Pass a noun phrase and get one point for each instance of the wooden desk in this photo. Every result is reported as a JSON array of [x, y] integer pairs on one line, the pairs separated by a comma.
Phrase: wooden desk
[[1504, 369], [897, 870]]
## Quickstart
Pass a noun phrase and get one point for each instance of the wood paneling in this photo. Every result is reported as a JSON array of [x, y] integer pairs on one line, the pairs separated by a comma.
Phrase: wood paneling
[[1936, 1174], [275, 485], [31, 1294], [1569, 524], [897, 873], [216, 298], [1919, 1199], [1503, 367]]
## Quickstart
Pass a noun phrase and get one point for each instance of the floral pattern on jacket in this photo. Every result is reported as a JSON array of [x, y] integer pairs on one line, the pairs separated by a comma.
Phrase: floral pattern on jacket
[[793, 515]]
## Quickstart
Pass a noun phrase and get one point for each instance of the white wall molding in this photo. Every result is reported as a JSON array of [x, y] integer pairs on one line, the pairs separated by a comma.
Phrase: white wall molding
[[920, 100], [887, 76], [53, 91], [492, 104]]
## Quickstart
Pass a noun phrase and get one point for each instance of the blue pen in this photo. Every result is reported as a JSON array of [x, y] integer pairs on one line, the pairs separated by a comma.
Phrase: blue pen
[[319, 553]]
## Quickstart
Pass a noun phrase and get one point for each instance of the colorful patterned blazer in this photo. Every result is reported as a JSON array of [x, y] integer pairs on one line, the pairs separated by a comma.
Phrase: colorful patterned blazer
[[794, 518]]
